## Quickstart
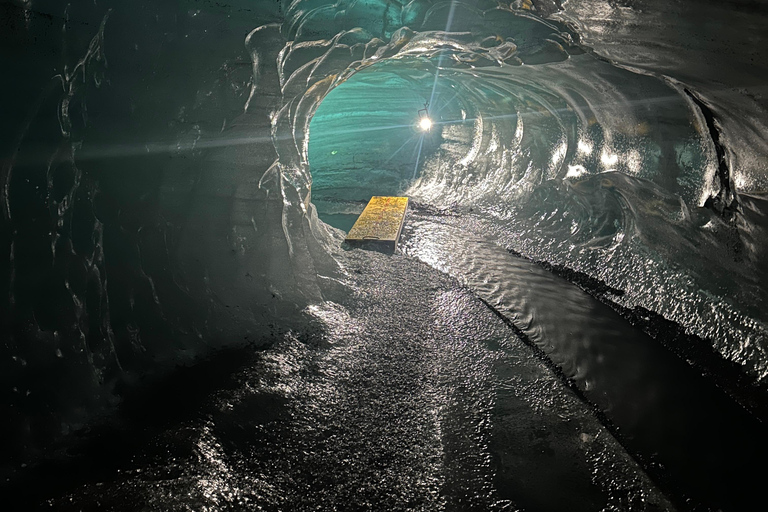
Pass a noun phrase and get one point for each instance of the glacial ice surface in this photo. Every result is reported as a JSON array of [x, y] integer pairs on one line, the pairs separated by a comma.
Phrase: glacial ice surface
[[166, 170]]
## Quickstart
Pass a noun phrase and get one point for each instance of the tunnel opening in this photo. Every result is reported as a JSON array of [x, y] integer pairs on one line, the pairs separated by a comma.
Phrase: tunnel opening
[[368, 138]]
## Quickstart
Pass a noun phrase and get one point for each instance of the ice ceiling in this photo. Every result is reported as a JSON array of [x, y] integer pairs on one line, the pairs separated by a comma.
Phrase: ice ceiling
[[163, 166]]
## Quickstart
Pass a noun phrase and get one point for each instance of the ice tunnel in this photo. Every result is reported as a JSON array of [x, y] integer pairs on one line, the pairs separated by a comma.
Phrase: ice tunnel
[[575, 318]]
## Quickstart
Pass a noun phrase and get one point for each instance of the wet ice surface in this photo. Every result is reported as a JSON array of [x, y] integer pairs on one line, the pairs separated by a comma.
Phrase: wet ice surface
[[410, 395], [685, 429]]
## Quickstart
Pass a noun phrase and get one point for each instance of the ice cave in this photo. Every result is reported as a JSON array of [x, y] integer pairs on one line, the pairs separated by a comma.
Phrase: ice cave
[[575, 318]]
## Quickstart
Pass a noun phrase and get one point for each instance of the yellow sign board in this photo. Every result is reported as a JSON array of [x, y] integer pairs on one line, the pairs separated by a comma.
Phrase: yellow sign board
[[380, 224]]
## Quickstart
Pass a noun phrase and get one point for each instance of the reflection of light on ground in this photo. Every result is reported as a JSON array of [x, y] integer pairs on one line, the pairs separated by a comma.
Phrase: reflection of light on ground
[[559, 153], [609, 159], [574, 171], [634, 162], [585, 147], [740, 181]]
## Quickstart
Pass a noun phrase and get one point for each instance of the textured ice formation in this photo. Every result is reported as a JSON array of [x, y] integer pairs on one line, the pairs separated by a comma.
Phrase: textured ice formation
[[157, 163]]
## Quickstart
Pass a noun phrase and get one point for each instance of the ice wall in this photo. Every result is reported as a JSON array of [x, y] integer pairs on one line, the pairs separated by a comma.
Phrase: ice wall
[[134, 231]]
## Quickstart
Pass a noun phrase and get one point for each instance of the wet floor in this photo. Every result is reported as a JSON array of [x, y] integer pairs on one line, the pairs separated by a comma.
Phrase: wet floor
[[448, 380]]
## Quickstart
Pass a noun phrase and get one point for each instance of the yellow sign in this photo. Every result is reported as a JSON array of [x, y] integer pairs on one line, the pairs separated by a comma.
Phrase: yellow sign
[[380, 224]]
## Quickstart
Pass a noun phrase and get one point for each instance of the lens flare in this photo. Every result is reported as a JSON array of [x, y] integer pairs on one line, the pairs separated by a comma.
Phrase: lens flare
[[425, 124]]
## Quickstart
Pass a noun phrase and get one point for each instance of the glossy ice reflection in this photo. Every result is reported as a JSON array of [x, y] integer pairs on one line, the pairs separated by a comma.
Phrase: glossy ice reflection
[[163, 165], [412, 396]]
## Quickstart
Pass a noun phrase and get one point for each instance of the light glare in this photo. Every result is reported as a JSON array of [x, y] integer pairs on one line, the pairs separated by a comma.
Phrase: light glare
[[425, 124]]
